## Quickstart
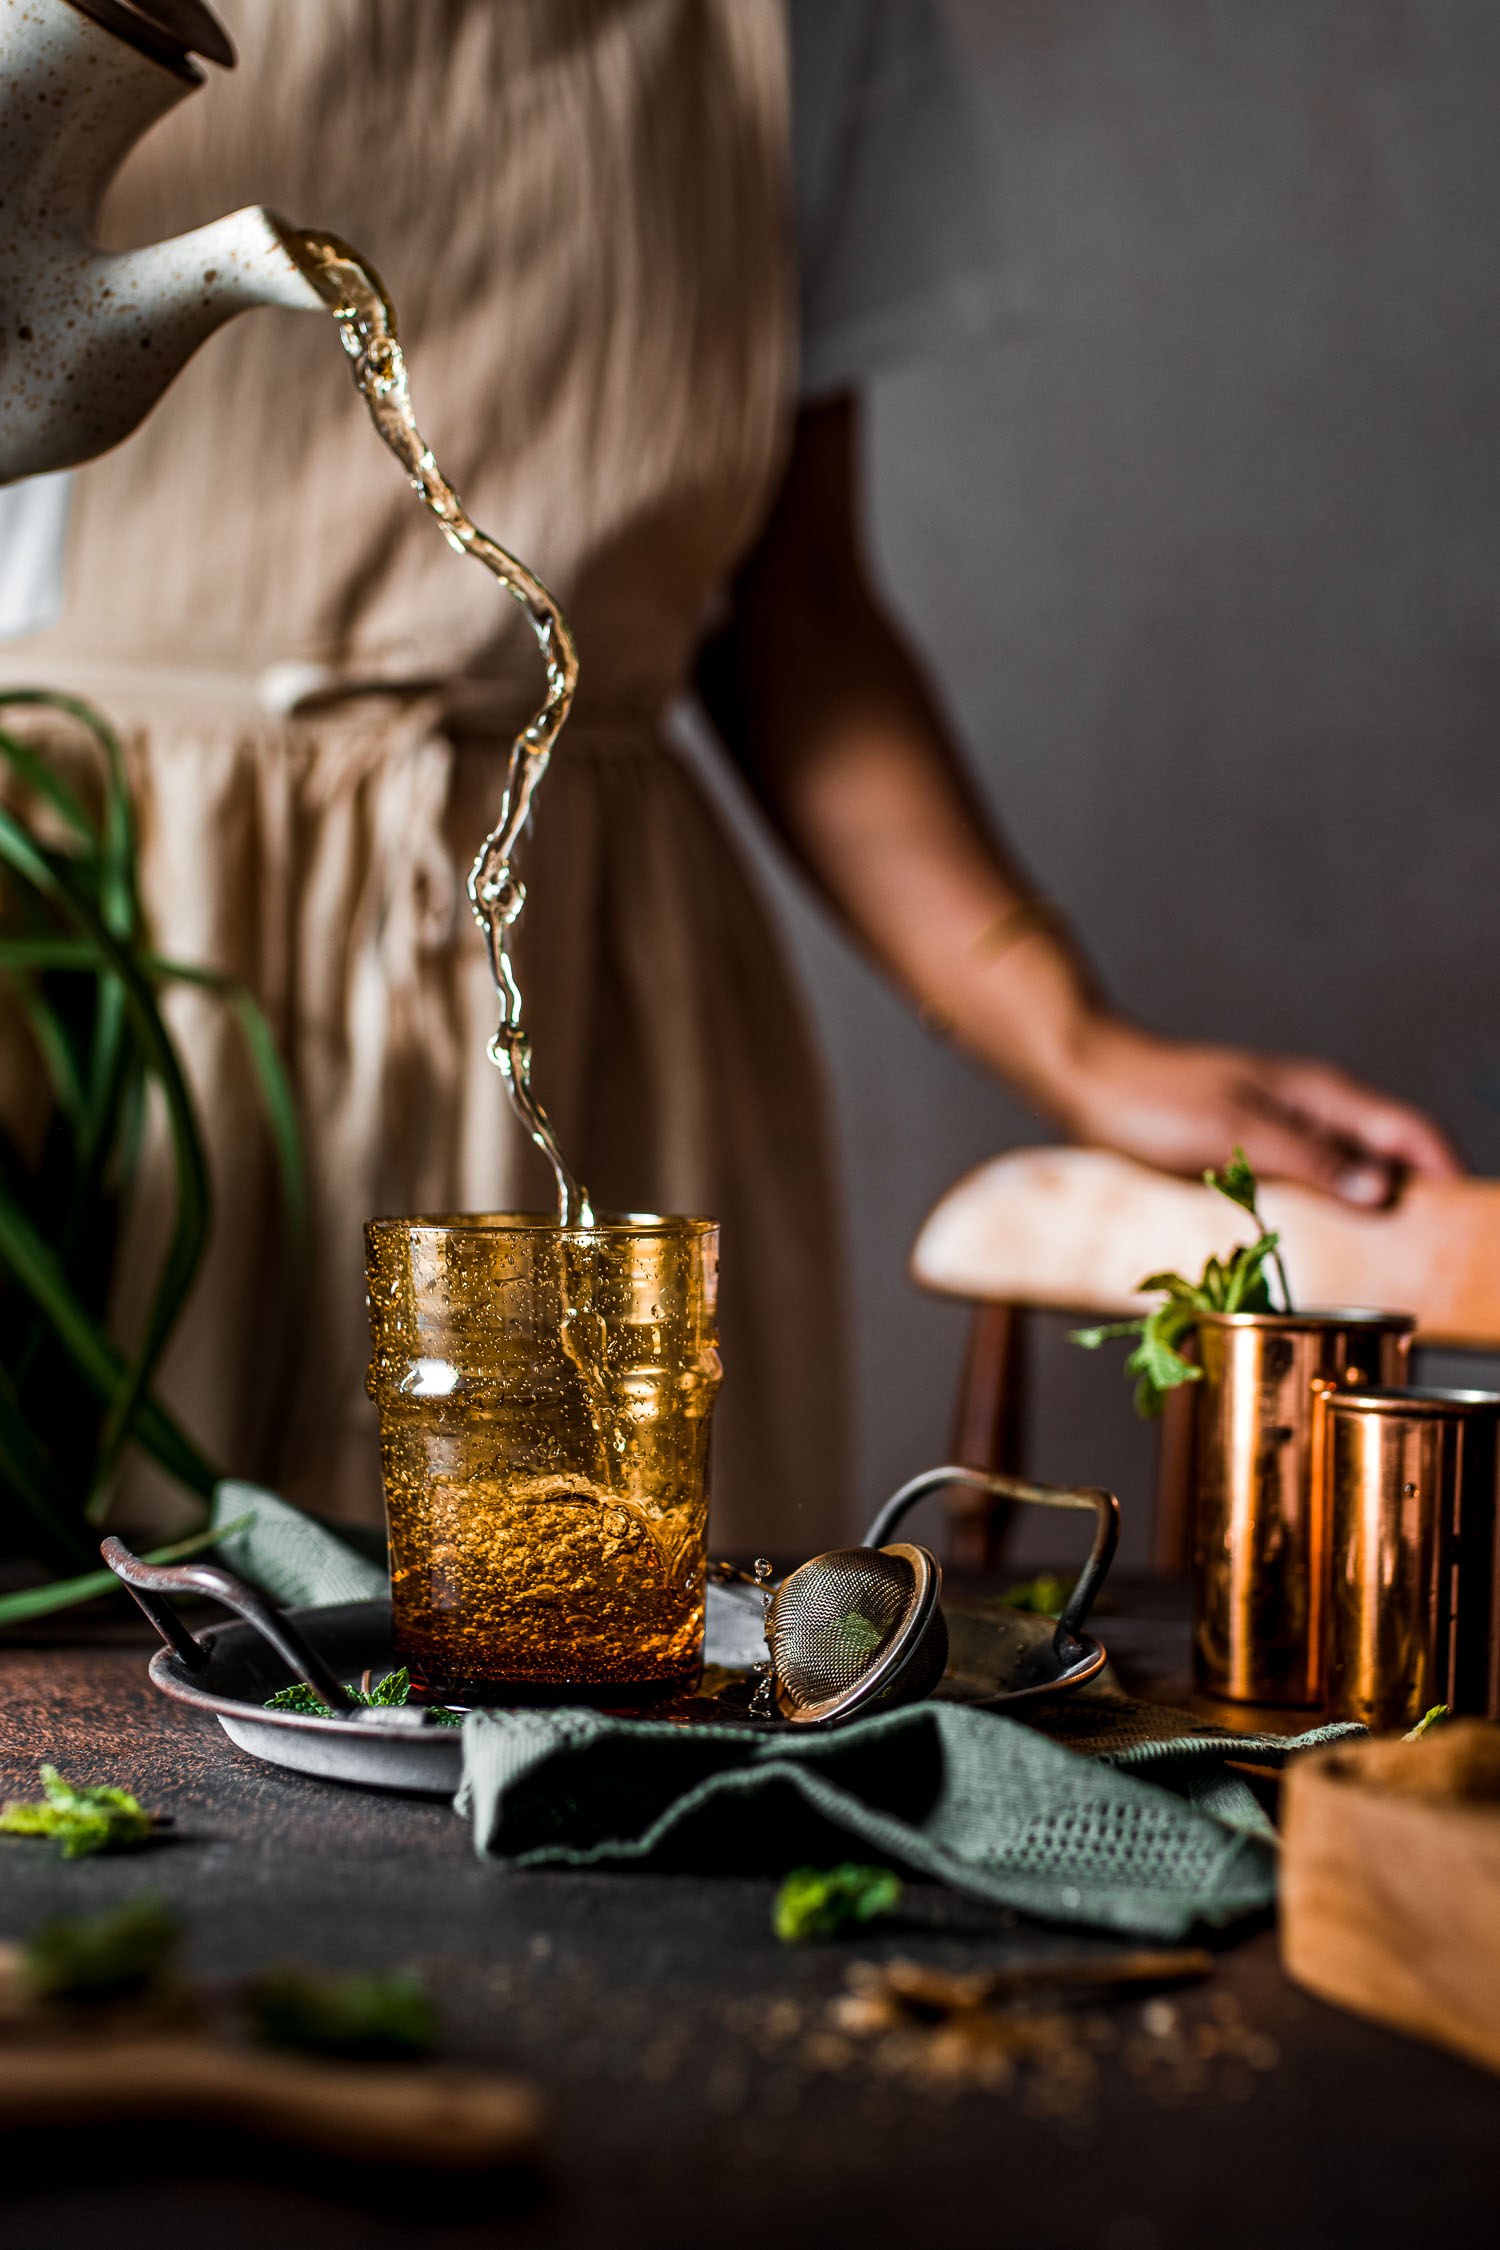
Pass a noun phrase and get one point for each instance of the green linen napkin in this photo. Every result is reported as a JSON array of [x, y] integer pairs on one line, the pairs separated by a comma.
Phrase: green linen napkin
[[298, 1561], [980, 1802]]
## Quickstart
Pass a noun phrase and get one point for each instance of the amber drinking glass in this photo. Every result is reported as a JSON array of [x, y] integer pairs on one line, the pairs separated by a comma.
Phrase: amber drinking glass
[[544, 1396]]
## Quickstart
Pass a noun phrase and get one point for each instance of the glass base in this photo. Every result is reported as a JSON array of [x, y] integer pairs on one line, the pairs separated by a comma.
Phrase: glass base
[[594, 1695]]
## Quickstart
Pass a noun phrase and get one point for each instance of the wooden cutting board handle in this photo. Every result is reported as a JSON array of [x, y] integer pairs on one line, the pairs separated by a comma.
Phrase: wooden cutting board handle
[[436, 2116]]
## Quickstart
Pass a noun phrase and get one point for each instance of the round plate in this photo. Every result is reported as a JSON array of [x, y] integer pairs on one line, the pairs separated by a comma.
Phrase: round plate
[[997, 1656], [387, 1750]]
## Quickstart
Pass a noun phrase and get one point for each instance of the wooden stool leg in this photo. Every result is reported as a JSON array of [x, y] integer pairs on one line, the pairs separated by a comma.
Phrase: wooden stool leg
[[987, 1433]]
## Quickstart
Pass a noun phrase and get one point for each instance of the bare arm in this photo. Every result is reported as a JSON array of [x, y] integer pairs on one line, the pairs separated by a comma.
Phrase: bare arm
[[839, 736]]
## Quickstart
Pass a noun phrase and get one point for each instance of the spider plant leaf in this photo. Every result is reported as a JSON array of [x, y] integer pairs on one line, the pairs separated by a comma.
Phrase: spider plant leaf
[[42, 778], [34, 1264], [65, 1593], [185, 1247], [53, 1045], [45, 953], [33, 1482], [275, 1087]]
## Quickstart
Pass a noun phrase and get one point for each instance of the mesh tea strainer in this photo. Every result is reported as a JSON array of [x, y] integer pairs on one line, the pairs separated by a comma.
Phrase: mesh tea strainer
[[860, 1629]]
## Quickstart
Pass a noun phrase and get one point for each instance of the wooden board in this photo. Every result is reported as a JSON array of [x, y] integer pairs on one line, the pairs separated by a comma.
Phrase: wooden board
[[1390, 1893]]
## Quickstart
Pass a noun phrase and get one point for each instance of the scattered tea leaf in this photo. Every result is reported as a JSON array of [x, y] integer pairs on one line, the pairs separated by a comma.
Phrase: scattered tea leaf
[[1046, 1595], [1433, 1718], [82, 1819], [817, 1902], [110, 1956], [362, 2018], [858, 1632]]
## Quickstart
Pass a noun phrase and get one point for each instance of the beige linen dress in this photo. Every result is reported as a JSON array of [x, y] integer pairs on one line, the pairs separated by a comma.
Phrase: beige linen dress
[[579, 207]]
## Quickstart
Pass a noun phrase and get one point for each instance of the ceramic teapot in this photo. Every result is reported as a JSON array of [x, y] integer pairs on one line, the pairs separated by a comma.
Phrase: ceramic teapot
[[89, 339]]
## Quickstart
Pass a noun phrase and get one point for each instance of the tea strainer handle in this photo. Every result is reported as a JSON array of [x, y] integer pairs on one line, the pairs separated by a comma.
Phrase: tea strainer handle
[[149, 1581], [1090, 1498]]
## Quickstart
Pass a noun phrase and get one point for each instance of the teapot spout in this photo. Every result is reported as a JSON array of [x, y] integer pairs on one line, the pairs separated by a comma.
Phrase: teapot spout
[[111, 330]]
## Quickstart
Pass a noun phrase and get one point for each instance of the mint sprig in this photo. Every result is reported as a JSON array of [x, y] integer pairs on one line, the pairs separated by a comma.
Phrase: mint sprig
[[394, 1689], [1238, 1283]]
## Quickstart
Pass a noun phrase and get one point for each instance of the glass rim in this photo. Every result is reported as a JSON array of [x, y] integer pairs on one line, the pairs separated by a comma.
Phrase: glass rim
[[614, 1226]]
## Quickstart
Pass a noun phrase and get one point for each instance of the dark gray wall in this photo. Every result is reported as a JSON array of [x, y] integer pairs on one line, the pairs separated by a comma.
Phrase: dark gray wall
[[1208, 562]]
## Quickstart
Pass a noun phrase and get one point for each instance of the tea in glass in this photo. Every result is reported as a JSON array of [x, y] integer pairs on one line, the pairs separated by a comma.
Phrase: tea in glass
[[545, 1394]]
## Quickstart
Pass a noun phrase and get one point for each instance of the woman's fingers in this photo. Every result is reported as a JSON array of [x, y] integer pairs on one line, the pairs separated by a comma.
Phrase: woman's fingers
[[1184, 1107], [1368, 1122]]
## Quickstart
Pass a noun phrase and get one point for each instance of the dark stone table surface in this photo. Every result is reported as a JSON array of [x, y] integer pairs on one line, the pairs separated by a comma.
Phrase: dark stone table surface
[[693, 2101]]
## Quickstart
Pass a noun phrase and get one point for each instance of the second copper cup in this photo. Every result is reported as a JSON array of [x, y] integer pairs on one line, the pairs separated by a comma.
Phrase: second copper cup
[[1409, 1488]]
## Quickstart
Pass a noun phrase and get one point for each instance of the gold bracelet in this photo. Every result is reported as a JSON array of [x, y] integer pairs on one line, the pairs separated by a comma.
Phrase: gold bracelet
[[1017, 922]]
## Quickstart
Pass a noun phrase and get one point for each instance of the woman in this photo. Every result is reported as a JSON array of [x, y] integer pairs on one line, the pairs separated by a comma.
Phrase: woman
[[580, 206]]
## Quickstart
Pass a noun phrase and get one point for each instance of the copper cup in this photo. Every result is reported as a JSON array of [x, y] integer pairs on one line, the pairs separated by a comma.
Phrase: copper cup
[[1409, 1485], [1260, 1544]]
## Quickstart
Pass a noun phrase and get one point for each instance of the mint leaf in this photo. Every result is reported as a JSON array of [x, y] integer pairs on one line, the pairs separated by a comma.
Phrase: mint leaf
[[105, 1957], [1237, 1181], [83, 1820], [361, 2018], [1156, 1361], [858, 1632], [301, 1698], [1092, 1338], [1046, 1595], [1246, 1287], [818, 1902], [394, 1689]]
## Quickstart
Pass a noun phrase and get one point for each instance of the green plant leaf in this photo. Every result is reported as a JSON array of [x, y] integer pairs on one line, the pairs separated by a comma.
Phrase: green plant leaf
[[185, 1247], [1246, 1288], [818, 1902], [104, 1957], [395, 1689], [34, 1264], [1236, 1284], [1185, 1292], [66, 1593], [82, 1820], [1046, 1595], [1156, 1362], [1092, 1338], [361, 2018], [275, 1087], [72, 948], [32, 1479], [1237, 1181]]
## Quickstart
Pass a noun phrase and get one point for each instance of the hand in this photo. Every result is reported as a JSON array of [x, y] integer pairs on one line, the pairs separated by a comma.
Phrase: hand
[[1183, 1107]]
